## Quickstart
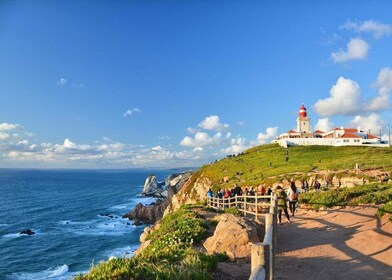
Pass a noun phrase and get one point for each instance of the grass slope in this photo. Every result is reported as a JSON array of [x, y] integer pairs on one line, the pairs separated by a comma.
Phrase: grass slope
[[264, 163]]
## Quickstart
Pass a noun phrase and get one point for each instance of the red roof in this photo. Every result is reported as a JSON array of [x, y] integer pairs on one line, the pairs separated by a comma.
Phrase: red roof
[[350, 130], [319, 131], [349, 135], [372, 137], [292, 131]]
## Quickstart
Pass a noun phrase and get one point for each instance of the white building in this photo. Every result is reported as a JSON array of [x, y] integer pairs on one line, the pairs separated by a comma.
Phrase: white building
[[335, 137]]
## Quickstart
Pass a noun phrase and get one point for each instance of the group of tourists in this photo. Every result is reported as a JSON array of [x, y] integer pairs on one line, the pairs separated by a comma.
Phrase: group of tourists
[[291, 197], [286, 201]]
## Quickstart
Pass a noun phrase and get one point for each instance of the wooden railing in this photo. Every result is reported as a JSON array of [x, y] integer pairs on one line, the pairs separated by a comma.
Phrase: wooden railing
[[263, 253]]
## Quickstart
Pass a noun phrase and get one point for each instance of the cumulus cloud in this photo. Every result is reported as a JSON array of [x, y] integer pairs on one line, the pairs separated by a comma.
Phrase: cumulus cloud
[[356, 49], [61, 82], [237, 145], [201, 139], [9, 126], [213, 123], [372, 123], [270, 134], [130, 112], [377, 29], [345, 97], [324, 125]]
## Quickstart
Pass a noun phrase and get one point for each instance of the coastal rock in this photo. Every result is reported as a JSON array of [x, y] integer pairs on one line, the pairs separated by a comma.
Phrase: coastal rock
[[152, 213], [147, 231], [232, 235], [137, 222], [153, 188], [27, 231], [190, 193], [143, 213]]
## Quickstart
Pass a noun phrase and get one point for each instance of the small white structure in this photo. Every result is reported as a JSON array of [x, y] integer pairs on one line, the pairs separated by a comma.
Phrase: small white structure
[[335, 137]]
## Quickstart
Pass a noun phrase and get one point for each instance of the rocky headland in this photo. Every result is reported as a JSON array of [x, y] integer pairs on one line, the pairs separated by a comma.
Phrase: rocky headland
[[164, 191]]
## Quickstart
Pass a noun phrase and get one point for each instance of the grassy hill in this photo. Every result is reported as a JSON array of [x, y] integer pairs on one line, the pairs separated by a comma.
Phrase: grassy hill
[[263, 164]]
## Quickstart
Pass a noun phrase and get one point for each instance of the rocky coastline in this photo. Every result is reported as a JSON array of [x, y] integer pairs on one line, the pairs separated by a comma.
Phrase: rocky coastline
[[163, 191]]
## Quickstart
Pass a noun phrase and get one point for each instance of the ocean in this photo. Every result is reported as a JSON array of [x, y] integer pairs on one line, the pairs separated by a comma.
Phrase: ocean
[[69, 212]]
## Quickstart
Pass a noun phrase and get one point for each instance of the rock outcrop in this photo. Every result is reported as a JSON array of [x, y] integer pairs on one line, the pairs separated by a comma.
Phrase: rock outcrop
[[232, 235], [27, 232], [152, 213], [153, 188]]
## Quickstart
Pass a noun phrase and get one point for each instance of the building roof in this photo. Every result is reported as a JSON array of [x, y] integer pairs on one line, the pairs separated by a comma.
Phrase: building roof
[[372, 137], [318, 131], [292, 131], [349, 135]]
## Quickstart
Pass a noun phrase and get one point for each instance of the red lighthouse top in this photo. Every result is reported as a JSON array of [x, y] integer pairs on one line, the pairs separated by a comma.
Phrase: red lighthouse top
[[302, 111]]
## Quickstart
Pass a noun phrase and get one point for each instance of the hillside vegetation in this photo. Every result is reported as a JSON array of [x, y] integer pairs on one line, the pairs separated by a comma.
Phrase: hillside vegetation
[[267, 163]]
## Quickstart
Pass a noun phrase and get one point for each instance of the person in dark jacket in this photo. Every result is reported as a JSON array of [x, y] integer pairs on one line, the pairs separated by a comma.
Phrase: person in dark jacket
[[282, 204]]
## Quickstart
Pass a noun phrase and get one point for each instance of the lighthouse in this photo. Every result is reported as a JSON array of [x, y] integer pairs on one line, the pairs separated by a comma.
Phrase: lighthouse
[[303, 123]]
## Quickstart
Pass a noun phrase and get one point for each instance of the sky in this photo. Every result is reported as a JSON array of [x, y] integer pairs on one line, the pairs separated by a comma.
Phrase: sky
[[134, 84]]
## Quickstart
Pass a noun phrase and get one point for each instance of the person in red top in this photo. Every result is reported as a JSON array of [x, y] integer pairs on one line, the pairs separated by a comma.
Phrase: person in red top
[[262, 190]]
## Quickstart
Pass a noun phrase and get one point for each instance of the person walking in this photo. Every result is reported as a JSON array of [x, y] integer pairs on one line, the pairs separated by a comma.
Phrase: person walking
[[293, 197], [282, 204]]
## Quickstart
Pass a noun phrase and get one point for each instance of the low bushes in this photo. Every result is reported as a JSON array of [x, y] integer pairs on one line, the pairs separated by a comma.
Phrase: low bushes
[[366, 194]]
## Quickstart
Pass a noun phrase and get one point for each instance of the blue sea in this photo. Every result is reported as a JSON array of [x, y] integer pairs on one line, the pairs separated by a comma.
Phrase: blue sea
[[67, 211]]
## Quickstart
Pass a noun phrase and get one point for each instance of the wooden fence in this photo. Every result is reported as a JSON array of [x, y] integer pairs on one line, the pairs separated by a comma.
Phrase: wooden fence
[[263, 253]]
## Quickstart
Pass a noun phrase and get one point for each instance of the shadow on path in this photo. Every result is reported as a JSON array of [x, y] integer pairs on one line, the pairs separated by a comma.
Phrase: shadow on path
[[316, 248]]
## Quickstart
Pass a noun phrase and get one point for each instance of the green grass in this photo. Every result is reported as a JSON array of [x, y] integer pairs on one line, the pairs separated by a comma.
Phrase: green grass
[[385, 209], [170, 254], [367, 194], [256, 168]]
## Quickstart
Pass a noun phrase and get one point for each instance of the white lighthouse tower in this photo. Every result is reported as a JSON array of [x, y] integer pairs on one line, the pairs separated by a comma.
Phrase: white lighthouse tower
[[303, 123]]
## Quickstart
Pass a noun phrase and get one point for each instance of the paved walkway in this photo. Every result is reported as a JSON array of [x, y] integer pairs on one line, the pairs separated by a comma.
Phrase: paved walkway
[[347, 243]]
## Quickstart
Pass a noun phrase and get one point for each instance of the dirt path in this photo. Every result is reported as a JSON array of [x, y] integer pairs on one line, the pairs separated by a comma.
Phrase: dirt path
[[347, 243]]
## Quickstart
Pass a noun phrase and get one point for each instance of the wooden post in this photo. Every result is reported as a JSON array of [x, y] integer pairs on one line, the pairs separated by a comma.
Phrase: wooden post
[[258, 255]]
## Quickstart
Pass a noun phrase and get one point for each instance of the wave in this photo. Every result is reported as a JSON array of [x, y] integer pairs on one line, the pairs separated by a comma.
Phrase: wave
[[57, 273], [124, 252], [16, 235], [103, 225], [146, 200]]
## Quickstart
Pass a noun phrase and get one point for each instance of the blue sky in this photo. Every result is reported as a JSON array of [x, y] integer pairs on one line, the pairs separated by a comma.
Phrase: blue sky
[[123, 84]]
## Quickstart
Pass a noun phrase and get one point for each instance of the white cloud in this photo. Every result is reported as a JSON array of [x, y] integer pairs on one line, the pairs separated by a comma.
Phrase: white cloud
[[191, 130], [237, 145], [9, 126], [130, 112], [356, 49], [345, 97], [213, 123], [201, 139], [270, 134], [157, 148], [324, 125], [164, 137], [61, 82], [198, 149], [4, 136], [372, 122], [384, 79], [376, 28]]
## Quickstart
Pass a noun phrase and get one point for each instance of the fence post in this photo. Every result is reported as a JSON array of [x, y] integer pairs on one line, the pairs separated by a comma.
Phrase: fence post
[[258, 255]]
